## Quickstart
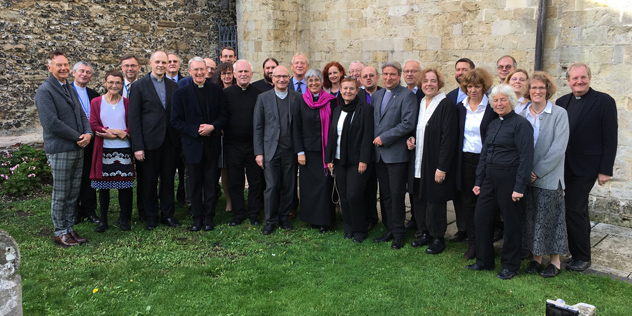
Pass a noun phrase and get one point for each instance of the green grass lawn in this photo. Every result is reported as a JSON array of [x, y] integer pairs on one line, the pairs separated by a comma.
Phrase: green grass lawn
[[238, 271]]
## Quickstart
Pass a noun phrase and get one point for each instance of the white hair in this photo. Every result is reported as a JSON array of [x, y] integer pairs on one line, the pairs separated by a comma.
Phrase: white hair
[[196, 59], [507, 91], [243, 61]]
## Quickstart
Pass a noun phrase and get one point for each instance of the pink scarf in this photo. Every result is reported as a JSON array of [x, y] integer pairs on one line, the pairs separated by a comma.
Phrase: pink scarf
[[322, 104]]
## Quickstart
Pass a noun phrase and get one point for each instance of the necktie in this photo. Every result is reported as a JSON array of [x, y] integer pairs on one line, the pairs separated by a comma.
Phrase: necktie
[[66, 90], [298, 87], [387, 96]]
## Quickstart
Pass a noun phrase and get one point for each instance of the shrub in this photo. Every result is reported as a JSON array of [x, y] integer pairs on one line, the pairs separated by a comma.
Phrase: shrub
[[23, 170]]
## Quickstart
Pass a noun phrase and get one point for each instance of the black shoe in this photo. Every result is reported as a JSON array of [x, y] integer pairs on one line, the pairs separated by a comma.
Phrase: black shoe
[[567, 260], [498, 234], [533, 267], [506, 274], [398, 243], [578, 265], [102, 227], [255, 221], [358, 239], [470, 253], [151, 225], [142, 218], [422, 241], [475, 267], [236, 221], [525, 254], [550, 271], [323, 229], [436, 247], [93, 218], [208, 225], [197, 226], [370, 226], [125, 226], [348, 235], [268, 229], [459, 237], [171, 222], [411, 225], [286, 225], [386, 238]]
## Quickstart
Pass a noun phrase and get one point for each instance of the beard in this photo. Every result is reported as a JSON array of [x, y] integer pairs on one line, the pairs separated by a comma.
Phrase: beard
[[267, 77]]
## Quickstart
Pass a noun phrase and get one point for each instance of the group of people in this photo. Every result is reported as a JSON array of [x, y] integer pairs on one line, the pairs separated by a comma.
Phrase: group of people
[[504, 154]]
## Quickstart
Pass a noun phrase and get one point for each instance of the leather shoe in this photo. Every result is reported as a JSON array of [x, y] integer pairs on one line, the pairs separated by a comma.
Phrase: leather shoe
[[236, 221], [93, 218], [436, 247], [197, 226], [578, 265], [550, 271], [66, 240], [348, 235], [77, 238], [208, 226], [422, 241], [498, 234], [533, 267], [358, 239], [470, 253], [506, 274], [255, 221], [151, 224], [459, 237], [398, 243], [475, 267], [411, 225], [268, 229], [125, 226], [171, 222], [386, 238], [286, 225], [323, 229], [101, 228]]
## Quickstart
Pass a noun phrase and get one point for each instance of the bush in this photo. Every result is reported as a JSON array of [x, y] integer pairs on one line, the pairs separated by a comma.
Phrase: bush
[[23, 170]]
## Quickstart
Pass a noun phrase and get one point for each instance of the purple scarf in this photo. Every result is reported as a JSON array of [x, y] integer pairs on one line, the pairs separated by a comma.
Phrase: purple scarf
[[322, 104]]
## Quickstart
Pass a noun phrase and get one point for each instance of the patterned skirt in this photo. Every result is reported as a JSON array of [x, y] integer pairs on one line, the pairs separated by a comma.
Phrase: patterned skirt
[[544, 224], [118, 170]]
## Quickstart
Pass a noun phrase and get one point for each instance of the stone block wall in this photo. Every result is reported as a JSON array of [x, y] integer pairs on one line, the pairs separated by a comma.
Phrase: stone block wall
[[438, 32], [96, 31]]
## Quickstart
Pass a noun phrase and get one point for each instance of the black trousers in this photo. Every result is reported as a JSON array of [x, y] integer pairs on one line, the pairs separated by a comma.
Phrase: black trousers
[[577, 218], [87, 195], [370, 194], [352, 187], [203, 183], [159, 163], [430, 217], [140, 201], [240, 159], [459, 212], [181, 194], [392, 178], [125, 197], [496, 194], [468, 198], [280, 176]]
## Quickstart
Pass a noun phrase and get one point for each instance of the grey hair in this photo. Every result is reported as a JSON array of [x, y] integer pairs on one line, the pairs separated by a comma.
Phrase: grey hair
[[300, 53], [515, 63], [413, 61], [196, 59], [577, 65], [393, 64], [241, 60], [179, 60], [506, 90], [357, 61], [80, 63], [314, 73]]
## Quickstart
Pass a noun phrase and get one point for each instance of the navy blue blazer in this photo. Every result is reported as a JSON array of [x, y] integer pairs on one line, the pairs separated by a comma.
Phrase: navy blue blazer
[[453, 95], [187, 117]]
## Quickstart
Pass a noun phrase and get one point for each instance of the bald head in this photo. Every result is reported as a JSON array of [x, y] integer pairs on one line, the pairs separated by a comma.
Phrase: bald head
[[280, 78], [369, 79]]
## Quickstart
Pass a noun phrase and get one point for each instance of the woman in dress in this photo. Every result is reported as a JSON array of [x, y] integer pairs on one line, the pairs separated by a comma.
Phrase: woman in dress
[[474, 114], [226, 79], [544, 229], [112, 166], [503, 172], [349, 157], [310, 135], [431, 178], [517, 80], [333, 74]]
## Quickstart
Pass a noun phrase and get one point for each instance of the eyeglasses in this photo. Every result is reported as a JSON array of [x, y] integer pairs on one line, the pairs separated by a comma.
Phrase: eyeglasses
[[505, 67], [281, 76], [537, 88], [130, 66], [227, 73]]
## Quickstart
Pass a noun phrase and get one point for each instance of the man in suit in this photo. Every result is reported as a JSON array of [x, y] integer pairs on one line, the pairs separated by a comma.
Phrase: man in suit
[[592, 147], [274, 149], [504, 66], [173, 73], [412, 69], [210, 71], [66, 132], [173, 68], [266, 84], [461, 67], [300, 65], [199, 113], [154, 140], [355, 70], [395, 113], [82, 74]]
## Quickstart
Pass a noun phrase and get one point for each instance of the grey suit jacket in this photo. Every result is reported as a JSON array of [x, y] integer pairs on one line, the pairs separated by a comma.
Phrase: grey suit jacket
[[395, 124], [550, 148], [266, 122], [62, 118]]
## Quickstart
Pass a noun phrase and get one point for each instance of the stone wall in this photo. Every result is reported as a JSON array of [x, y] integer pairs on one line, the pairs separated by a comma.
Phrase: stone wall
[[96, 31], [438, 32]]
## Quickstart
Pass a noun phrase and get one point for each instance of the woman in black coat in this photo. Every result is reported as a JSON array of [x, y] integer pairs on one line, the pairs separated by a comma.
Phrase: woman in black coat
[[431, 169], [310, 133], [348, 156]]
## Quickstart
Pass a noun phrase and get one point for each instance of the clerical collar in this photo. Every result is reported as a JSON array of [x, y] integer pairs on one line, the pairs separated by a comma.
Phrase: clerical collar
[[280, 94], [200, 86], [153, 77], [578, 98], [243, 88]]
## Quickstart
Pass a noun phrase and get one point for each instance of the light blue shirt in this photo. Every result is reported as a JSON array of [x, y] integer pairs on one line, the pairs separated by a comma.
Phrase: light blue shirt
[[295, 85], [159, 84], [462, 95], [535, 120], [83, 98]]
